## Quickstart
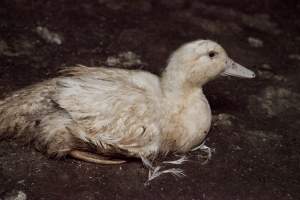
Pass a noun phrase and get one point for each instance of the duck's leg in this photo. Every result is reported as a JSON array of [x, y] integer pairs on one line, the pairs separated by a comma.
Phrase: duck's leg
[[206, 149], [94, 158]]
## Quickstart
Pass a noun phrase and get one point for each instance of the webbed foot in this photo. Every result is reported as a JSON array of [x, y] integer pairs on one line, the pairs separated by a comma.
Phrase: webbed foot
[[155, 172], [202, 147]]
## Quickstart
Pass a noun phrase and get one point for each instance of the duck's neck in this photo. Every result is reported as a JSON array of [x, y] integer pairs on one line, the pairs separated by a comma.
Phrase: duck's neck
[[175, 84], [186, 113]]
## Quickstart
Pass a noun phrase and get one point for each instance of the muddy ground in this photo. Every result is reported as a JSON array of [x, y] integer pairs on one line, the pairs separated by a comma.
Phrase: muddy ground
[[255, 131]]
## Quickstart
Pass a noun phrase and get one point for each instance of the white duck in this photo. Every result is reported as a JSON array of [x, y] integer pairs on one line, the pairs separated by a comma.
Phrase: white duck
[[95, 113]]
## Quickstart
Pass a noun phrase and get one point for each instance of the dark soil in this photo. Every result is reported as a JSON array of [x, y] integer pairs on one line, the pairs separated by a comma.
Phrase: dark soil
[[255, 132]]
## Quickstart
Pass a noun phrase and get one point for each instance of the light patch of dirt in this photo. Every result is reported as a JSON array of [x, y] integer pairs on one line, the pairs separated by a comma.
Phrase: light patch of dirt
[[125, 60], [273, 101]]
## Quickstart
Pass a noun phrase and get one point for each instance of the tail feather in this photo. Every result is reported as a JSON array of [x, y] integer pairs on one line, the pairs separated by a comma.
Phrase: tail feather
[[21, 111], [12, 120], [31, 115]]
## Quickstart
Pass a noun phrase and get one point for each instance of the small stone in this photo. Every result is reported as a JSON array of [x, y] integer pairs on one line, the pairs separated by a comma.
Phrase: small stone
[[124, 59], [294, 56], [223, 119], [3, 47], [264, 74], [130, 58], [16, 195], [266, 66], [279, 78], [270, 75], [255, 42], [261, 22], [49, 36], [237, 148], [112, 61], [21, 181]]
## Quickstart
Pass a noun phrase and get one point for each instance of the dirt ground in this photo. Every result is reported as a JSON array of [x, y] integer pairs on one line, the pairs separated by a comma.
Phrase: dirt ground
[[255, 131]]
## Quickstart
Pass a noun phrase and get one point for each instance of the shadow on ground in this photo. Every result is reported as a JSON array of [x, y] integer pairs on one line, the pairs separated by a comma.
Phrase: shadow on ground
[[256, 122]]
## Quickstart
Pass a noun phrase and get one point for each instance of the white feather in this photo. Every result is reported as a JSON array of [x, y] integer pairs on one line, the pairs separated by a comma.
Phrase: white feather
[[178, 161]]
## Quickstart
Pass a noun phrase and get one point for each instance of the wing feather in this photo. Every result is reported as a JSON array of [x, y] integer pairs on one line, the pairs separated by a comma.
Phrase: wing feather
[[115, 110]]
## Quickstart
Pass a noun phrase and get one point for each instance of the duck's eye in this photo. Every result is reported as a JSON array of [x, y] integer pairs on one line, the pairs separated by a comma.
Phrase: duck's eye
[[212, 54]]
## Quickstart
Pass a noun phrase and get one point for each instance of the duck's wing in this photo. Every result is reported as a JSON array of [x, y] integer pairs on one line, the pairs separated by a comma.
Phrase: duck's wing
[[95, 72], [119, 109]]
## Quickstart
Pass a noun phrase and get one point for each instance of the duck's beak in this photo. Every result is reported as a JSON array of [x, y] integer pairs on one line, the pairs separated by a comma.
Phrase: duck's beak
[[234, 69]]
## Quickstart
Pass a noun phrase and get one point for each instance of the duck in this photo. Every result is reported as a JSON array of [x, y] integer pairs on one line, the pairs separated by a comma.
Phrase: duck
[[105, 115]]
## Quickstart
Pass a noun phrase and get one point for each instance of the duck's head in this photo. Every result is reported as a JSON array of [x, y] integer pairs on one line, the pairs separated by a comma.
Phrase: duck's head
[[202, 60]]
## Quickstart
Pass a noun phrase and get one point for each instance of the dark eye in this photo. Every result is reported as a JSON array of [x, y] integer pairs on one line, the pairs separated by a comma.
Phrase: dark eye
[[212, 54]]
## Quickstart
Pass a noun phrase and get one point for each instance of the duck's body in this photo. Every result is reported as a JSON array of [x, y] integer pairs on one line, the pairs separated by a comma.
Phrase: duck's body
[[115, 111]]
